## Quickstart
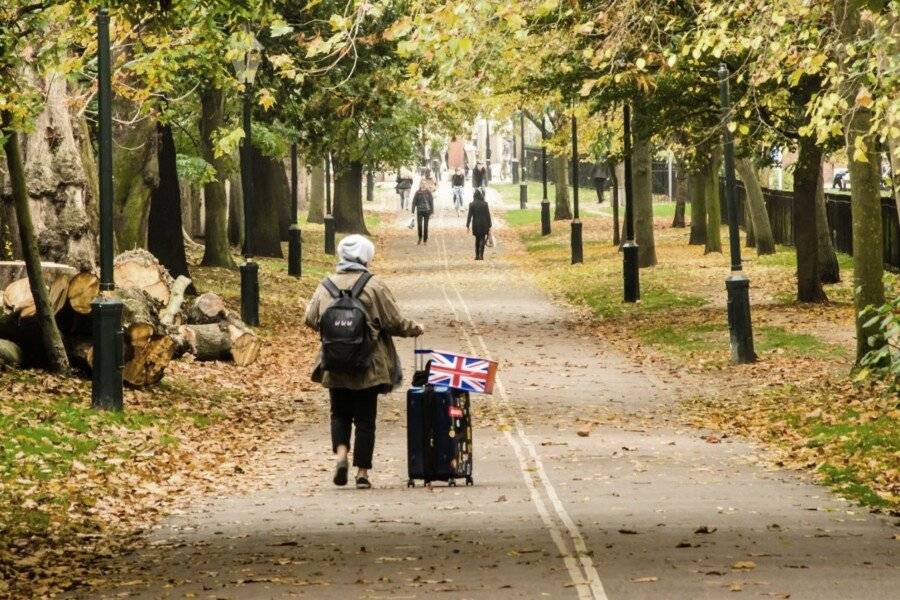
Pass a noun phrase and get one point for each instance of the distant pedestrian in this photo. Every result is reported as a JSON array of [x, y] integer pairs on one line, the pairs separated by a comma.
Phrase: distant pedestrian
[[600, 175], [356, 315], [404, 185], [455, 156], [428, 182], [837, 182], [479, 175], [457, 182], [422, 206], [478, 222]]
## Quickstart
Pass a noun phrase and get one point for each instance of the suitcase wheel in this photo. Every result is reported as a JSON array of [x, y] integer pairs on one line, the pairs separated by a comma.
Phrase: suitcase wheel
[[452, 483], [469, 481], [410, 484]]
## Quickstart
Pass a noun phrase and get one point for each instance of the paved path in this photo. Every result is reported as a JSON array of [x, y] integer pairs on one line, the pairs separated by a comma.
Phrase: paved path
[[553, 514]]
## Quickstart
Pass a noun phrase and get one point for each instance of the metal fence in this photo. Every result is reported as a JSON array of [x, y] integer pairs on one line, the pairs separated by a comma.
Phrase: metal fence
[[780, 206]]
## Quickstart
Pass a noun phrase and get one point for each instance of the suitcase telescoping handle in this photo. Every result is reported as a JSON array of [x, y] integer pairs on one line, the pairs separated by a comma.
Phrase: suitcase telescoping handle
[[420, 354]]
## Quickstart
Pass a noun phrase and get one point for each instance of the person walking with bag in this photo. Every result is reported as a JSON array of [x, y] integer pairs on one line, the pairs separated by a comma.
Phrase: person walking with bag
[[479, 221], [356, 316], [423, 206]]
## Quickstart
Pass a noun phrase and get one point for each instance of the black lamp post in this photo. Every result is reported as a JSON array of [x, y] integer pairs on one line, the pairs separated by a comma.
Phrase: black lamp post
[[630, 269], [295, 240], [329, 218], [523, 185], [545, 203], [737, 284], [106, 311], [487, 150], [577, 246], [245, 68]]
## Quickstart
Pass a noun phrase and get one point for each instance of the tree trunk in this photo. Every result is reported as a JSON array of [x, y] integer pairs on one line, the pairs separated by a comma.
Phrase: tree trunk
[[806, 180], [748, 222], [370, 184], [617, 238], [164, 228], [217, 252], [829, 269], [756, 208], [865, 196], [561, 210], [713, 203], [235, 211], [681, 195], [347, 208], [135, 176], [642, 186], [697, 194], [269, 196], [53, 344], [316, 212], [60, 185]]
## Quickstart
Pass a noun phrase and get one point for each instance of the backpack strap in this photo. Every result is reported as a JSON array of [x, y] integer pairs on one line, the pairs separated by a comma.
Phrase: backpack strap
[[332, 289], [357, 288]]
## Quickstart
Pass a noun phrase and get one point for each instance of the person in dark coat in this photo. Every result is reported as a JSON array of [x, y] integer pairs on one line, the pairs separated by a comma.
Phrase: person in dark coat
[[479, 175], [479, 221], [600, 175], [423, 206]]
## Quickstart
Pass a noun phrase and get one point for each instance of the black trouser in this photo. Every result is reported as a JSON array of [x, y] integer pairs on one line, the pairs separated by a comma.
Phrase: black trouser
[[480, 243], [357, 408], [422, 225], [599, 185]]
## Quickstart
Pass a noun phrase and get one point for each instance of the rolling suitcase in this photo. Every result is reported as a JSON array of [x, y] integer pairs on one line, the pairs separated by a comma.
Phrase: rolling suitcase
[[438, 429]]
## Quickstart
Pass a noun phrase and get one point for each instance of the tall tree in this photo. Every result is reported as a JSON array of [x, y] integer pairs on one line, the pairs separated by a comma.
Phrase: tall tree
[[217, 252], [713, 202], [269, 194], [347, 210], [829, 269], [53, 344], [642, 166], [756, 208], [165, 238], [806, 243]]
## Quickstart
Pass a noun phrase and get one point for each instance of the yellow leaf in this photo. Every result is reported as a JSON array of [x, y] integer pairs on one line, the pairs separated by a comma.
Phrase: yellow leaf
[[864, 98], [640, 63]]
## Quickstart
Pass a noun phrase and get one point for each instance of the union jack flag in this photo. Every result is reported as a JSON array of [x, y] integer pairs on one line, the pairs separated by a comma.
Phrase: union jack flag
[[467, 373]]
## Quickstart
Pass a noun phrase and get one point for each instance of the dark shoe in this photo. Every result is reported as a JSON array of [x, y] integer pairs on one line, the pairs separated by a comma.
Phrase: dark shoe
[[363, 484], [340, 473]]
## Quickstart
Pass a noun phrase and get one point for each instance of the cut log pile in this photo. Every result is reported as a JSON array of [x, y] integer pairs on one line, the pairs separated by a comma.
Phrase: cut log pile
[[158, 324]]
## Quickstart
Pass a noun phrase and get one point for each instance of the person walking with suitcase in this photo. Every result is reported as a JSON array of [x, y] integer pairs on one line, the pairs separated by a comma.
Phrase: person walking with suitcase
[[423, 206], [478, 221], [356, 316]]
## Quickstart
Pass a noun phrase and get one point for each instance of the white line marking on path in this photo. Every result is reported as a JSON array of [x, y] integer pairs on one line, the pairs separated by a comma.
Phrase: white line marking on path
[[587, 581]]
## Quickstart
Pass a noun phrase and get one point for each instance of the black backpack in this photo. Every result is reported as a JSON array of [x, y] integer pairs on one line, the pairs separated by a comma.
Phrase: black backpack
[[347, 341]]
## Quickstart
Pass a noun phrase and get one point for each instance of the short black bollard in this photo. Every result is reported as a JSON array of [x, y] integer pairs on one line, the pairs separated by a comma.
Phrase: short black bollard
[[545, 217], [250, 292], [739, 323], [631, 272], [106, 389], [329, 235], [577, 246], [295, 251], [523, 195]]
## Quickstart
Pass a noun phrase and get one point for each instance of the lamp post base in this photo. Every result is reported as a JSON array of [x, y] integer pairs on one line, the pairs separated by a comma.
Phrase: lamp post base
[[106, 384], [250, 292], [631, 273], [295, 251], [545, 217], [577, 247], [739, 322], [523, 195], [329, 235]]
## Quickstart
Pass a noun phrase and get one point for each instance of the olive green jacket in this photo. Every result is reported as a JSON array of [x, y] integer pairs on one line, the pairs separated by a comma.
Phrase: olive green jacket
[[385, 321]]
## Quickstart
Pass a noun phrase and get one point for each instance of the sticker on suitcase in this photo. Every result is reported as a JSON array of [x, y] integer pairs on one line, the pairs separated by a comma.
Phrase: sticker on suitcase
[[455, 412]]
